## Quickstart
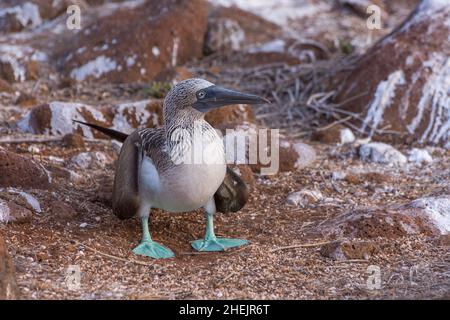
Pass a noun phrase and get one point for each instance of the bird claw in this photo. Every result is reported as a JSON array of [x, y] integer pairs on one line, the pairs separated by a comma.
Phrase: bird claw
[[217, 244], [154, 250]]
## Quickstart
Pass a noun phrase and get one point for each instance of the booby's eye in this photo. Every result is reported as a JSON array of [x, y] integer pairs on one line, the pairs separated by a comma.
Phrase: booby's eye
[[201, 94]]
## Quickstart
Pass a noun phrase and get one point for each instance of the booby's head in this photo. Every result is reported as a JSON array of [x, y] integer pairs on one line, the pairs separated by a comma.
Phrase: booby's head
[[198, 96]]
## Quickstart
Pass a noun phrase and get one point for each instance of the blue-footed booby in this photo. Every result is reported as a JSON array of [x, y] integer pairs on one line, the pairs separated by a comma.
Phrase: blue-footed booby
[[159, 167]]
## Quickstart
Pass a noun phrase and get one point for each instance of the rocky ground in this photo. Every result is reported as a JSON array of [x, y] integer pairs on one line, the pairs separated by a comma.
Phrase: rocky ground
[[341, 211], [289, 256]]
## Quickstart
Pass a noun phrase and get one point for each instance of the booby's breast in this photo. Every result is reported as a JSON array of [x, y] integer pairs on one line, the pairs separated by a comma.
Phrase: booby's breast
[[191, 187], [188, 185]]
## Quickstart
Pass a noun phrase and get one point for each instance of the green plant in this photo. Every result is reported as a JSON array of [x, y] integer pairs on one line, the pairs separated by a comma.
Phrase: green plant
[[346, 46], [158, 89]]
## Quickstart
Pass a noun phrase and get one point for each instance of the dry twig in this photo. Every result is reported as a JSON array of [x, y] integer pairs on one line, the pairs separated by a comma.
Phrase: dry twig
[[112, 256], [302, 95], [306, 245]]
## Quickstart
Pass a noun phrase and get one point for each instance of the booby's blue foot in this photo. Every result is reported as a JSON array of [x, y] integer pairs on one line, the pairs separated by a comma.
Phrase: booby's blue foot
[[217, 244], [154, 250], [211, 242], [150, 248]]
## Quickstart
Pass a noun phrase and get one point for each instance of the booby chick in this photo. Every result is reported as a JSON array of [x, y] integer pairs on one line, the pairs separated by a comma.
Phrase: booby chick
[[179, 167]]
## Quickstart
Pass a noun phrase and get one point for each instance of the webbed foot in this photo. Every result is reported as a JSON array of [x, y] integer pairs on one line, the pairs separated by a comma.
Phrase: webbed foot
[[154, 250], [217, 244]]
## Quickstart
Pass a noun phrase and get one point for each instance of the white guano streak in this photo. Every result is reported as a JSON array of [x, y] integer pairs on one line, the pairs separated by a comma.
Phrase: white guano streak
[[176, 43], [4, 211], [94, 68], [382, 100], [435, 94]]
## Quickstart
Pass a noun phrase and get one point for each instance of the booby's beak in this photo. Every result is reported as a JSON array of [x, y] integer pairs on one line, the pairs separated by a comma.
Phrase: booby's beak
[[214, 97]]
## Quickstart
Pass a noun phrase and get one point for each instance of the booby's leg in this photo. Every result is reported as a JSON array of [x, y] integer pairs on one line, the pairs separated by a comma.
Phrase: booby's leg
[[150, 248], [211, 242]]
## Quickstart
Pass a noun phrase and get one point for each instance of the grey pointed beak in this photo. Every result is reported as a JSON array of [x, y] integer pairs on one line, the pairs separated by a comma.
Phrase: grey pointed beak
[[215, 97]]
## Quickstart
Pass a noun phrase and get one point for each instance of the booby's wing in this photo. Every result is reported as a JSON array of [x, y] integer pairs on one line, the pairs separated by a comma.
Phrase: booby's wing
[[144, 142], [126, 180], [232, 194]]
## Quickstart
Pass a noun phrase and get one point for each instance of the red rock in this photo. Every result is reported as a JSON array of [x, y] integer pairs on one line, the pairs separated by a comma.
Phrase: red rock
[[306, 155], [55, 118], [137, 42], [8, 283], [430, 216], [104, 191], [12, 212], [20, 62], [332, 135], [345, 250], [21, 58], [435, 209], [374, 223], [369, 177], [255, 59], [182, 73], [404, 77], [91, 160], [304, 198], [230, 115], [23, 200], [58, 172], [230, 28], [290, 156], [304, 51], [266, 54], [73, 140], [381, 153], [60, 209], [354, 178], [395, 6], [258, 40], [128, 116], [5, 86], [20, 171], [31, 54], [25, 100], [16, 15]]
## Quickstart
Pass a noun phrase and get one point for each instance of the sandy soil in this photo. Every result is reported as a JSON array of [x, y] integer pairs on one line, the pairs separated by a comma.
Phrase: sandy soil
[[90, 237]]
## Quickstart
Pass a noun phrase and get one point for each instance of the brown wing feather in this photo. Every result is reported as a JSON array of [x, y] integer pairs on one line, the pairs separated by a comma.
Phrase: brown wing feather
[[126, 180], [232, 194]]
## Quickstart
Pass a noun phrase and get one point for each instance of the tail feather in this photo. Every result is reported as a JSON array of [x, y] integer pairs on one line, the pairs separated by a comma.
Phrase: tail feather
[[116, 135]]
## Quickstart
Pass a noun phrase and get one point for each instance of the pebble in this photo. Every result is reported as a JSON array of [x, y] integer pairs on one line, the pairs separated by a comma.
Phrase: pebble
[[381, 153], [347, 136], [419, 156], [304, 197]]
